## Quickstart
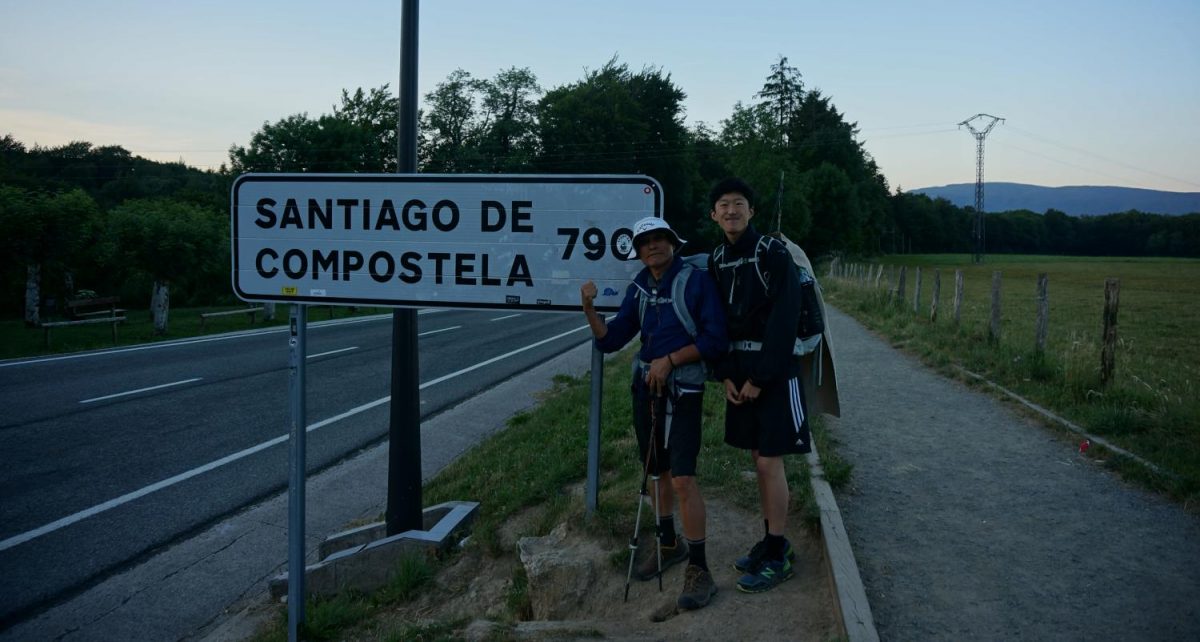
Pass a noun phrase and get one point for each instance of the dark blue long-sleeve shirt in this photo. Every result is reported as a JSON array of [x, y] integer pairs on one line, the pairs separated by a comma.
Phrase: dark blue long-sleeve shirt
[[661, 332]]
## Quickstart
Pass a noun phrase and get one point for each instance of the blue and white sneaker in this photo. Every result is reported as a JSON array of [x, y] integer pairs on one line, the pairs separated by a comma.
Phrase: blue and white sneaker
[[770, 573], [749, 563]]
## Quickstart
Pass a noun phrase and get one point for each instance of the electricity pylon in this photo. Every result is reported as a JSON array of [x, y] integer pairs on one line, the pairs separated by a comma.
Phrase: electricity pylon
[[979, 134]]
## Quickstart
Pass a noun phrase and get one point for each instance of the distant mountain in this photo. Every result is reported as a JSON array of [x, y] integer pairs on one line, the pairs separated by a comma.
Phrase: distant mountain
[[1080, 200]]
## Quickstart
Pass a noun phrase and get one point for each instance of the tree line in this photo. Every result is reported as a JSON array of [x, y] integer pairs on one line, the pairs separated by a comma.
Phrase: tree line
[[85, 218]]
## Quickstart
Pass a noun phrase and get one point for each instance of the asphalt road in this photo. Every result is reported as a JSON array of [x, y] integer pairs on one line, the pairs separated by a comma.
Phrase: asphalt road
[[111, 455]]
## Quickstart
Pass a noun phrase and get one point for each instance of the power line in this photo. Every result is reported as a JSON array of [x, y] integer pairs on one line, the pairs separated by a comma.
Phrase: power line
[[1042, 139]]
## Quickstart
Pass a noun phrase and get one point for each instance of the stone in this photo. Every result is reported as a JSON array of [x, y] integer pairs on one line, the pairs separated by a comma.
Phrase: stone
[[560, 572]]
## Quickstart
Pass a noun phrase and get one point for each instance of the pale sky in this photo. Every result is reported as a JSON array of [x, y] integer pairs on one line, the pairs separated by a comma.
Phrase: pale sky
[[1093, 93]]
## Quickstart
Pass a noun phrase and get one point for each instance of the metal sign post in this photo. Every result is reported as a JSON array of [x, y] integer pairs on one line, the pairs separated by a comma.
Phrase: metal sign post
[[297, 352], [593, 455], [404, 505]]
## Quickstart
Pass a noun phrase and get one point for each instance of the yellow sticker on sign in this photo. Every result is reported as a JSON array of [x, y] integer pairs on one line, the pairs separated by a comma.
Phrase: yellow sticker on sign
[[289, 291]]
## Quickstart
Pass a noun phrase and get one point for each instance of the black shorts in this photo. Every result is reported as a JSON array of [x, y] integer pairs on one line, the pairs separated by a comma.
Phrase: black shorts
[[684, 411], [775, 424]]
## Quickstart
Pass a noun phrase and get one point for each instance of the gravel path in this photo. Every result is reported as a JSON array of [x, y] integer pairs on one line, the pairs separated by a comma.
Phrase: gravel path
[[970, 522]]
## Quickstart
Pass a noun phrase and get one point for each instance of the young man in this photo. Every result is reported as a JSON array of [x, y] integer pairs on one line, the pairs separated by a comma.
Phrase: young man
[[765, 409], [668, 389]]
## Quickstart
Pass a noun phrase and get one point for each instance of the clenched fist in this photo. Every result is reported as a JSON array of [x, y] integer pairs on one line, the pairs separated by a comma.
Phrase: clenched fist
[[587, 294]]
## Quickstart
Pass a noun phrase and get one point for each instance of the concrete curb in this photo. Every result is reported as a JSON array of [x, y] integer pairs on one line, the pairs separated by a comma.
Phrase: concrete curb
[[849, 597]]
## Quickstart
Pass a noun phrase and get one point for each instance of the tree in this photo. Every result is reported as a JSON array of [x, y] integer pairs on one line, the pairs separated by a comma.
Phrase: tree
[[46, 234], [359, 136], [372, 116], [782, 92], [167, 240], [753, 135], [615, 121], [508, 138], [451, 125], [837, 216]]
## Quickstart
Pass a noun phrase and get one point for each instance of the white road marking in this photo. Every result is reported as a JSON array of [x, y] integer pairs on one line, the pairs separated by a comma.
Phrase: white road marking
[[134, 392], [17, 540], [499, 358], [503, 318], [324, 354], [220, 337], [453, 327]]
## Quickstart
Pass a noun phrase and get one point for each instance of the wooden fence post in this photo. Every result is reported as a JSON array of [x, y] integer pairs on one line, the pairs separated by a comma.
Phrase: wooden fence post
[[1043, 314], [878, 274], [917, 292], [900, 286], [994, 326], [1112, 295], [937, 293], [958, 295]]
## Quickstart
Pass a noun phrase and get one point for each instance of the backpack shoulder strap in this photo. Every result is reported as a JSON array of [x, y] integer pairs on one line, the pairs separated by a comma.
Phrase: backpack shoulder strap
[[760, 251], [678, 286]]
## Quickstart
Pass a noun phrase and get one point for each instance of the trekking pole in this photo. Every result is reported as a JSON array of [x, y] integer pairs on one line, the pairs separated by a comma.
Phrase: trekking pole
[[657, 526], [637, 522]]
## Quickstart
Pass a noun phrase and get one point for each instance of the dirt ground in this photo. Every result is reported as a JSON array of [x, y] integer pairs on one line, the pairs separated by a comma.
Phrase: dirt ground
[[473, 588]]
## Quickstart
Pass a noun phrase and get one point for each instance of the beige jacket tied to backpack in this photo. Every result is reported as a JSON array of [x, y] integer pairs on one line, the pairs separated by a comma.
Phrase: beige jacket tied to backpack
[[819, 378]]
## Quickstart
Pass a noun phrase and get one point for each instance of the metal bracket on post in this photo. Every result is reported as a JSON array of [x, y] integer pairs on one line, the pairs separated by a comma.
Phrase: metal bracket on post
[[297, 348], [593, 453]]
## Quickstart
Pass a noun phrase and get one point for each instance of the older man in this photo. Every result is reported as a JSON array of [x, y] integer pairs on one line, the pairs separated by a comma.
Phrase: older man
[[668, 388]]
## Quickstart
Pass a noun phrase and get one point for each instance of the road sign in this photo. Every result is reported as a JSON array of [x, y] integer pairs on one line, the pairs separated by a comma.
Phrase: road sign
[[471, 241]]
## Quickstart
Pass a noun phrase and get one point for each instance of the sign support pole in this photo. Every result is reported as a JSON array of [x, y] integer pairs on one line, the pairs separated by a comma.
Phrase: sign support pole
[[593, 453], [297, 351], [404, 432]]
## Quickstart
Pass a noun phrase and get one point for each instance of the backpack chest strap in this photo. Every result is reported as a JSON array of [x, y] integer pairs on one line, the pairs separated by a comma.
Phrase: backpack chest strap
[[738, 263]]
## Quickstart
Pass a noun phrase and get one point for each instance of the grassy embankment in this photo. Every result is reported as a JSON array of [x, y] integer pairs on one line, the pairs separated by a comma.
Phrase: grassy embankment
[[533, 463], [1150, 408]]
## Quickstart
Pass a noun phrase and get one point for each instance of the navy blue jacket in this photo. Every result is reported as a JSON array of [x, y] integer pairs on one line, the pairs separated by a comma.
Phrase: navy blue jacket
[[662, 333]]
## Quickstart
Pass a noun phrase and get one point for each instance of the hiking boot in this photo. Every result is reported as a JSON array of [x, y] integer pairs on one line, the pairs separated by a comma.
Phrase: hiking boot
[[698, 588], [749, 563], [647, 568], [770, 573]]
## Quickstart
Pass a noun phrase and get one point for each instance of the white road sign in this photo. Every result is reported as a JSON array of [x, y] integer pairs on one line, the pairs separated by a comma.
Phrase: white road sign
[[472, 241]]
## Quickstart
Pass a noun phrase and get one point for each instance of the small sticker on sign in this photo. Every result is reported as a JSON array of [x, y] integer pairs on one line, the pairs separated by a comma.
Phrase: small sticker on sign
[[543, 301], [610, 292], [316, 292], [512, 299], [288, 290]]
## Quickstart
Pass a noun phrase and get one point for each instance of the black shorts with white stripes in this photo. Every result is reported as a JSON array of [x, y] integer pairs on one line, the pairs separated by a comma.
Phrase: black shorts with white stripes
[[775, 424]]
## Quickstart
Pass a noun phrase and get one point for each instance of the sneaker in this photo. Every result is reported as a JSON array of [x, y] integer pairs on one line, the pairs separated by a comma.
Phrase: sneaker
[[749, 563], [770, 574], [698, 588], [647, 569]]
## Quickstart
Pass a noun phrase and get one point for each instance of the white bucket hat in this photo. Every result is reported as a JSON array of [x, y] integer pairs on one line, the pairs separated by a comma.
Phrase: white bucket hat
[[654, 224]]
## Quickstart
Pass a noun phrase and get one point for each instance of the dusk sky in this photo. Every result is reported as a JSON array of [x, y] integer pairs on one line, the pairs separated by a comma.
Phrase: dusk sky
[[1093, 93]]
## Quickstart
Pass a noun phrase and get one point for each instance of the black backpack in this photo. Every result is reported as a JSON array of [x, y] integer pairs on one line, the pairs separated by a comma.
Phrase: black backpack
[[811, 324]]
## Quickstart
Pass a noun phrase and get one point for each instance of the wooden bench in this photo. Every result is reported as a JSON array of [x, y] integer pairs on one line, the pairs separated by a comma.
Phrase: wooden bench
[[107, 306], [114, 320], [251, 311]]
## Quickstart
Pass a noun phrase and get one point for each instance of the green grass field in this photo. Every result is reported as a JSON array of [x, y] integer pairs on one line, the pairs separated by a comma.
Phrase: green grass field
[[1150, 407]]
